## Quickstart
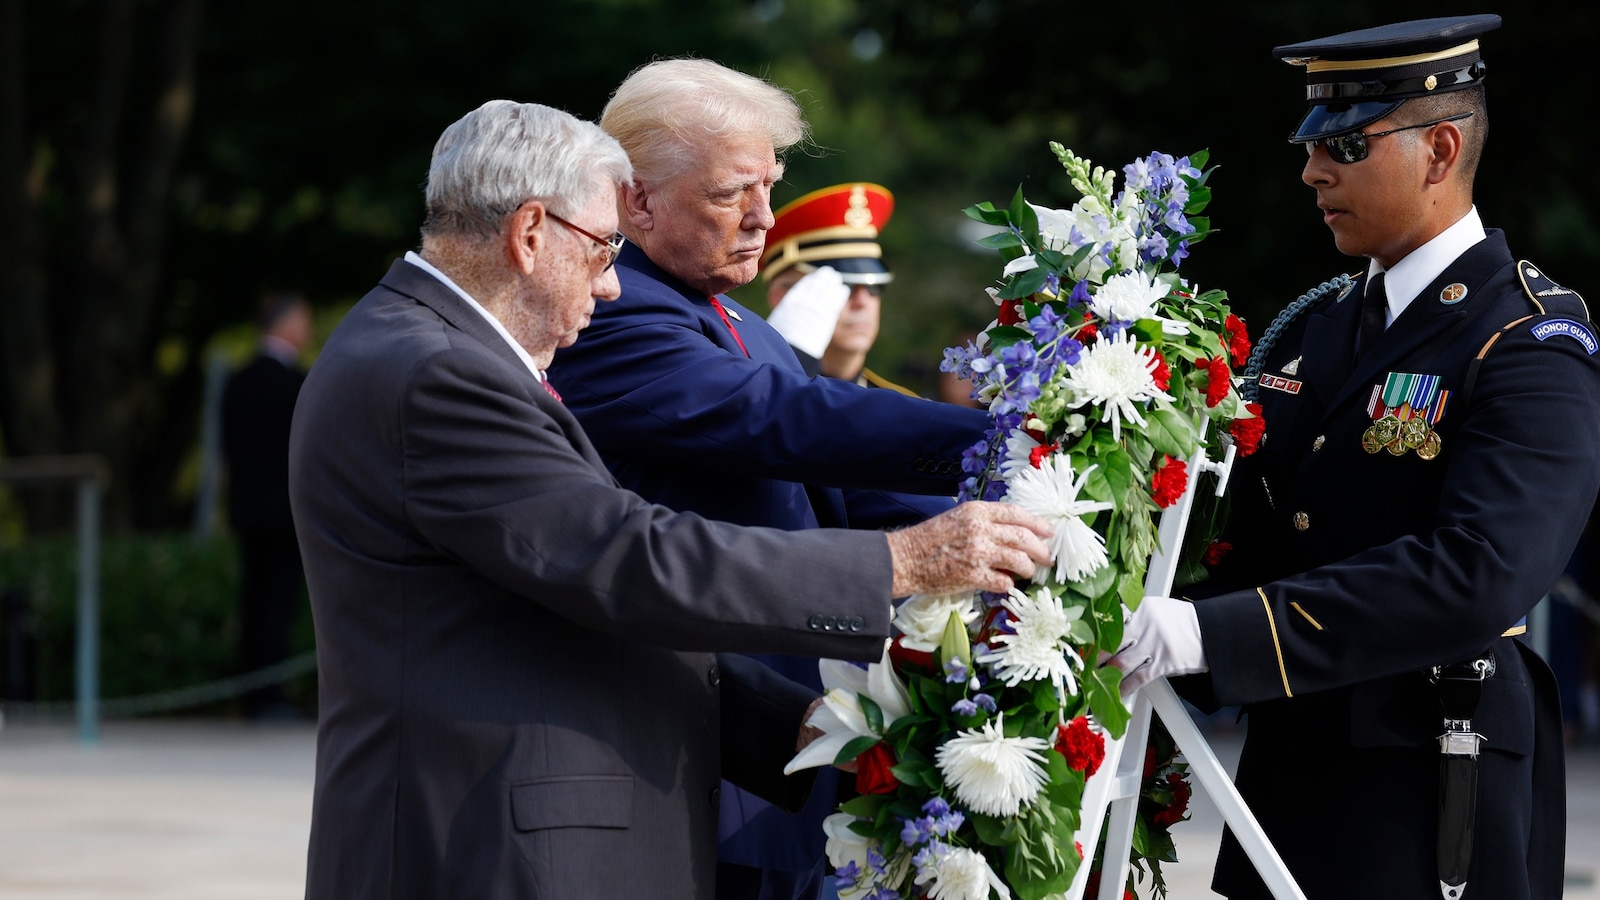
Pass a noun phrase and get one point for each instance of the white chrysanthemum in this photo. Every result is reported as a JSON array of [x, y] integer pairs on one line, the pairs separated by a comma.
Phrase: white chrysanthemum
[[1115, 373], [961, 874], [841, 718], [1051, 493], [993, 774], [922, 617], [1040, 646], [1019, 452], [1128, 297]]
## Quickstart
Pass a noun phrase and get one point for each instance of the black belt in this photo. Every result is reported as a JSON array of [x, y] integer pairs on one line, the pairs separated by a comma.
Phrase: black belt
[[1459, 688]]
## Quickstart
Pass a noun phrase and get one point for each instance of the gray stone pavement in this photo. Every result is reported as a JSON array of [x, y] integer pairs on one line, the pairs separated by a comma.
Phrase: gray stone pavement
[[182, 809]]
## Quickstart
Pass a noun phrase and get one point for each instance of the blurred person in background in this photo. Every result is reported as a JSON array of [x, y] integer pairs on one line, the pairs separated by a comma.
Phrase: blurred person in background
[[257, 404]]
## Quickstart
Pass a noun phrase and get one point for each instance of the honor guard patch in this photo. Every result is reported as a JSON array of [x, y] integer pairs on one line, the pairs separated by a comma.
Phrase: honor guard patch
[[1453, 293], [1571, 328]]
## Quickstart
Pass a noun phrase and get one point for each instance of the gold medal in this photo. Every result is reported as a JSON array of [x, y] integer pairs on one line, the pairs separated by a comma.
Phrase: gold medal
[[1413, 432], [1396, 447], [1430, 446], [1369, 440], [1386, 428]]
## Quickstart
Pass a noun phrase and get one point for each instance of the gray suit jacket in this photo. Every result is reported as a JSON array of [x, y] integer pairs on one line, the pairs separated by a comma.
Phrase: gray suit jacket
[[519, 692]]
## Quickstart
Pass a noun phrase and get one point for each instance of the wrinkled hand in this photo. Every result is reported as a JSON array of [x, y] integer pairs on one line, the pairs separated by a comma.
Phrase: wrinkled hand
[[808, 314], [978, 545], [810, 732], [1160, 639]]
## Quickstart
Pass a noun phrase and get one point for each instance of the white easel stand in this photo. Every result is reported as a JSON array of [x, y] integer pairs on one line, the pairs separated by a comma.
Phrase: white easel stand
[[1115, 786]]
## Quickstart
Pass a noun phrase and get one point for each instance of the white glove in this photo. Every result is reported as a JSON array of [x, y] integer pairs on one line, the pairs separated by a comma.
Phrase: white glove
[[808, 314], [1160, 639]]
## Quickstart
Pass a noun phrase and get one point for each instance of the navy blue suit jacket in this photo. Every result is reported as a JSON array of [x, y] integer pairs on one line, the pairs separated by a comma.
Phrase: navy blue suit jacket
[[684, 417]]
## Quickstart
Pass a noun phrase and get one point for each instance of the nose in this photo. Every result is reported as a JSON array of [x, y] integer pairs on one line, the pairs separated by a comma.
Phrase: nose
[[758, 217], [1320, 167], [606, 286]]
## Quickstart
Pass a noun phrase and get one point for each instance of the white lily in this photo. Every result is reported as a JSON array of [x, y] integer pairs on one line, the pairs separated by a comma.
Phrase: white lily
[[840, 717]]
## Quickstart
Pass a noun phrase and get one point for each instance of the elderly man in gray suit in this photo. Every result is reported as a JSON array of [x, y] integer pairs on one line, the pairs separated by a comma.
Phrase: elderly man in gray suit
[[524, 689]]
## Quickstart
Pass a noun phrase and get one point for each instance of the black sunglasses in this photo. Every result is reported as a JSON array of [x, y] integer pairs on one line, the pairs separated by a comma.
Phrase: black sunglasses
[[1351, 147], [613, 246]]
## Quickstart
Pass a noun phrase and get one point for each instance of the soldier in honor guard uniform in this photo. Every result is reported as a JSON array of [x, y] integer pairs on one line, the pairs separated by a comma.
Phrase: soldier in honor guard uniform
[[825, 277], [1426, 470]]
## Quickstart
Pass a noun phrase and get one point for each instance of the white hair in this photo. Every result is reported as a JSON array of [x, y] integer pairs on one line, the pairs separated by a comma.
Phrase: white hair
[[665, 110], [503, 154]]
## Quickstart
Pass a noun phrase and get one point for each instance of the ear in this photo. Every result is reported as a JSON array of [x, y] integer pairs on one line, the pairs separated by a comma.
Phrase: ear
[[637, 203], [524, 236], [1444, 144]]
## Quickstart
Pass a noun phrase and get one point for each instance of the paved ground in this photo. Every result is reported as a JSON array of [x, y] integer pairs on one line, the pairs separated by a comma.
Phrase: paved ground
[[216, 810]]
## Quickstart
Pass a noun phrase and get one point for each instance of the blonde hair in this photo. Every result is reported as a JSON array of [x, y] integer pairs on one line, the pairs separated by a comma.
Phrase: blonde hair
[[663, 112]]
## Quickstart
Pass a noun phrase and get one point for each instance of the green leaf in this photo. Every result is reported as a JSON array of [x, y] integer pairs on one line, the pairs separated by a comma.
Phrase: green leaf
[[1171, 433], [872, 712], [1026, 220], [1100, 686], [864, 806], [986, 213], [1025, 284], [1004, 240], [854, 748]]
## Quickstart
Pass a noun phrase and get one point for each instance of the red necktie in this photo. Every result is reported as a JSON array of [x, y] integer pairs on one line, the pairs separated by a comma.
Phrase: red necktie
[[728, 322], [550, 389]]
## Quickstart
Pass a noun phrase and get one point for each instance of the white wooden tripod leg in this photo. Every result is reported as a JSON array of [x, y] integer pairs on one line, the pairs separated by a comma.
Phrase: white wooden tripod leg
[[1218, 785], [1125, 808]]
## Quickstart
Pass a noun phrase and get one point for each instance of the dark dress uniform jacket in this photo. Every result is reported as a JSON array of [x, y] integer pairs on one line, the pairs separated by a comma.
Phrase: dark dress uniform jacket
[[1353, 572], [519, 697], [694, 417]]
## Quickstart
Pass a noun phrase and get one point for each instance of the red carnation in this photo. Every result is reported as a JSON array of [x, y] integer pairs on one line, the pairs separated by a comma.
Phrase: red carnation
[[1217, 377], [1037, 454], [1079, 845], [1217, 552], [1238, 340], [1083, 747], [1247, 433], [1087, 332], [1168, 482], [1161, 374], [1010, 312], [1149, 761], [873, 771], [1174, 812], [904, 657]]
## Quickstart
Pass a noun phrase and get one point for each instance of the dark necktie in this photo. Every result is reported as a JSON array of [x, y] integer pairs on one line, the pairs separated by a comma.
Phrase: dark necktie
[[550, 389], [1374, 310]]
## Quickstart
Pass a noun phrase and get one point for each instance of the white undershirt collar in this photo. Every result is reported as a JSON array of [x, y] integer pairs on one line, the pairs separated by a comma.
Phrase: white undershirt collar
[[1422, 265], [424, 265]]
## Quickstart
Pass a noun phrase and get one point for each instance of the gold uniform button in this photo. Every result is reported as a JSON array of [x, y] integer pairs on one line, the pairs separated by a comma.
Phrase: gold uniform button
[[1317, 444], [1301, 521]]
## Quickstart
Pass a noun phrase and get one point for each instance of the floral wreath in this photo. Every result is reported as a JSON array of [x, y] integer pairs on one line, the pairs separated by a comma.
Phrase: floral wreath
[[974, 735]]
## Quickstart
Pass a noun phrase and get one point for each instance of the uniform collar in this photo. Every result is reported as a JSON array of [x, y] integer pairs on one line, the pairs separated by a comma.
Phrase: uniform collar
[[1421, 266]]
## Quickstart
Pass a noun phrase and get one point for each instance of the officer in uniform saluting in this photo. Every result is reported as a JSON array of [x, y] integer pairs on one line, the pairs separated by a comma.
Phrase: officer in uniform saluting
[[1426, 470], [825, 277]]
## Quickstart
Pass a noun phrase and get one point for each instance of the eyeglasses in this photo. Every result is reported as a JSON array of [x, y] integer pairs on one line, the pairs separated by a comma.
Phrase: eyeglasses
[[1351, 147], [613, 246]]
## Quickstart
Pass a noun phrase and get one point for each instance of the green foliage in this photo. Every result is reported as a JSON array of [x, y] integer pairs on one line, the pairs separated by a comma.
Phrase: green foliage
[[168, 613]]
